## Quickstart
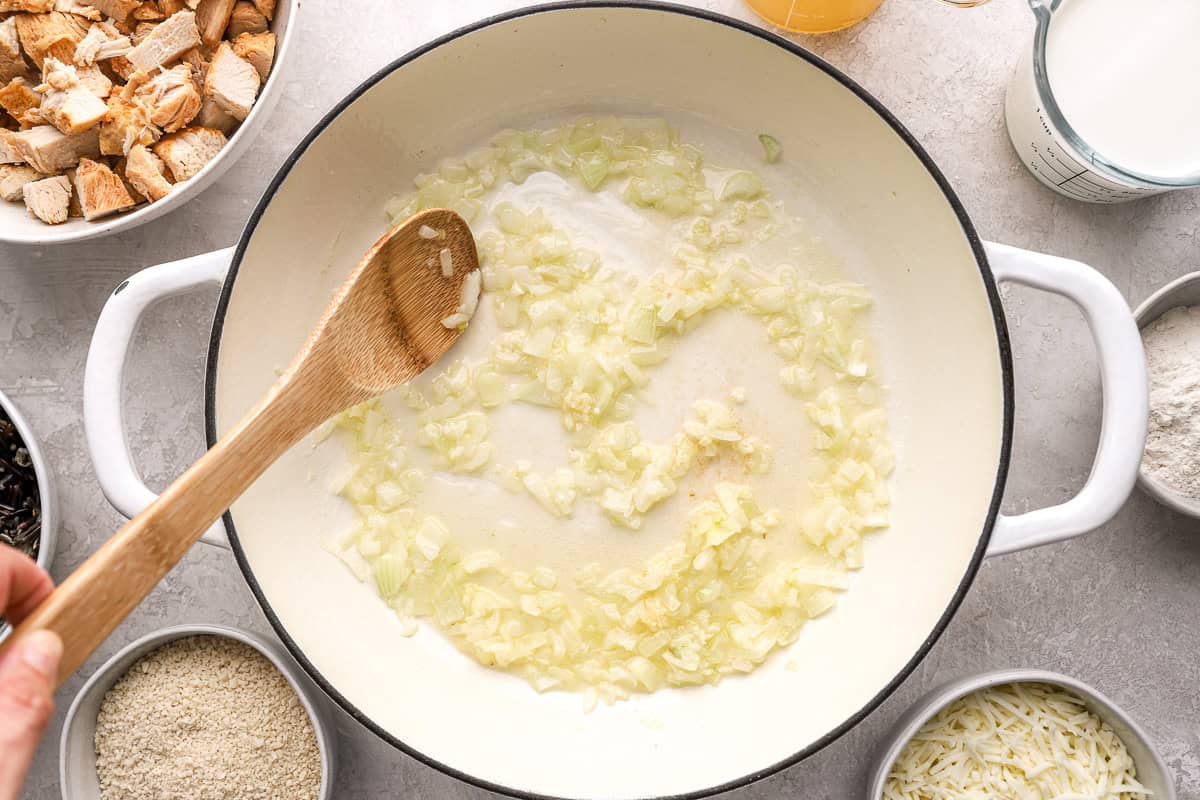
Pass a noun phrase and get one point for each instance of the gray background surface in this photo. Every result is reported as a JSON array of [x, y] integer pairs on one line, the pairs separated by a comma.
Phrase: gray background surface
[[1119, 608]]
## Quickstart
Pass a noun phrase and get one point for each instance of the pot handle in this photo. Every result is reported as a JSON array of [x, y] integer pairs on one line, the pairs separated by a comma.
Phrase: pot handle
[[103, 378], [1125, 394]]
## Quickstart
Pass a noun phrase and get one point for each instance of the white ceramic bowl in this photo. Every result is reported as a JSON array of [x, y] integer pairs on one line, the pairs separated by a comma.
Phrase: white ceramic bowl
[[17, 226], [47, 491], [1183, 291], [77, 750], [1151, 770]]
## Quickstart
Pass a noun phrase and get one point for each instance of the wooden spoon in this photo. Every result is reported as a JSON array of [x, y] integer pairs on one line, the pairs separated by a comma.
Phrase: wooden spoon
[[382, 328]]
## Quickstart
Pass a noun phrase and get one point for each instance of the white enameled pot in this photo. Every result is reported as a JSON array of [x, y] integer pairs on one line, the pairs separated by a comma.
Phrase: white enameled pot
[[945, 353], [18, 226]]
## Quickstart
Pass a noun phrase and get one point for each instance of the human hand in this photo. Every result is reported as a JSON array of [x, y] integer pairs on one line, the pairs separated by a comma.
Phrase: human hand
[[27, 670]]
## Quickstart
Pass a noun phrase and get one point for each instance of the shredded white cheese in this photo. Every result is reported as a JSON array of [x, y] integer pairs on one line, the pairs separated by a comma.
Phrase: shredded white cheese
[[1020, 740], [468, 301]]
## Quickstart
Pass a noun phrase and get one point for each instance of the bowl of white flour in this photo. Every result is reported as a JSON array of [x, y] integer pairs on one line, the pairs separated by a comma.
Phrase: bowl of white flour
[[1170, 323]]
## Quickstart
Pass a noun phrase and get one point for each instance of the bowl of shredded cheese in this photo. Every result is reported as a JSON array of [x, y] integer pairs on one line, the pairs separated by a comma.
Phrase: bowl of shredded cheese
[[200, 711], [1019, 733]]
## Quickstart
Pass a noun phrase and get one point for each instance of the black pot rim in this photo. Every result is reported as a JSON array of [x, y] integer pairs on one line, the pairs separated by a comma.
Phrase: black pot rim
[[951, 198]]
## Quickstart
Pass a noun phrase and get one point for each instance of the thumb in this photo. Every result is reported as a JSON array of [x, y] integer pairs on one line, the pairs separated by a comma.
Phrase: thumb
[[26, 690]]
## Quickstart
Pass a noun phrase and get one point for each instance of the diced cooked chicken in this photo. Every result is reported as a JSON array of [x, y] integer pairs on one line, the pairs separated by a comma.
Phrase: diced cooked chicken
[[118, 166], [128, 123], [141, 32], [89, 46], [98, 45], [21, 102], [147, 174], [54, 34], [258, 49], [66, 103], [121, 67], [100, 190], [57, 76], [49, 150], [213, 116], [117, 9], [133, 97], [148, 11], [232, 82], [95, 81], [171, 96], [48, 199], [245, 19], [15, 176], [168, 41], [195, 59], [213, 18], [32, 6], [187, 151], [12, 60], [79, 9], [8, 151], [74, 210]]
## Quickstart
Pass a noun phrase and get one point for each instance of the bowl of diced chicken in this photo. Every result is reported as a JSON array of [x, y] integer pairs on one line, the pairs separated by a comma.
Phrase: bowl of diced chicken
[[113, 112]]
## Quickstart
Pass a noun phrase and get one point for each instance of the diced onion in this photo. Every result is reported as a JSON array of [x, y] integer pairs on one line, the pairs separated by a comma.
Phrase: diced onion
[[772, 149], [582, 340], [467, 303]]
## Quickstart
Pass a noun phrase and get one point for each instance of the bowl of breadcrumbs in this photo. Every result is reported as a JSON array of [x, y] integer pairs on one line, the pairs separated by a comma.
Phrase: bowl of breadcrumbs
[[198, 711]]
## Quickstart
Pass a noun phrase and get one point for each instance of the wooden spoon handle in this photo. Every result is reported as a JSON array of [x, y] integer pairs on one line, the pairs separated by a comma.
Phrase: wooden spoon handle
[[94, 599]]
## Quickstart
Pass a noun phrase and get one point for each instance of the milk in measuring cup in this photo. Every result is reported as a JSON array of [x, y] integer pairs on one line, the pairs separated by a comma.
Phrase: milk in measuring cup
[[1125, 77]]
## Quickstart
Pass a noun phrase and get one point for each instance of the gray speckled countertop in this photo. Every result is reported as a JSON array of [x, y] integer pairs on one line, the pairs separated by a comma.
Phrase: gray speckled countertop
[[1119, 608]]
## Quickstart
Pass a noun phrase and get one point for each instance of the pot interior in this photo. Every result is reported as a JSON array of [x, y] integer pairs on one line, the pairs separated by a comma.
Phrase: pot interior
[[876, 202]]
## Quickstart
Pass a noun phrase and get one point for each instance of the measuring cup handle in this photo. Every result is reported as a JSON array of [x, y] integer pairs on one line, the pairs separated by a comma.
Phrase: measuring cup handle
[[1125, 394]]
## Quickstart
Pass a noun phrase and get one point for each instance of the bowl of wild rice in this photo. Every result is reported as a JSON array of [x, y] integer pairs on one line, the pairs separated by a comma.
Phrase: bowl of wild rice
[[28, 503], [198, 711]]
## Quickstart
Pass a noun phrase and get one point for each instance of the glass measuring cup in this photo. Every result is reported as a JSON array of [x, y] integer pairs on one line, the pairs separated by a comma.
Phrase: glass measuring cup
[[1047, 142]]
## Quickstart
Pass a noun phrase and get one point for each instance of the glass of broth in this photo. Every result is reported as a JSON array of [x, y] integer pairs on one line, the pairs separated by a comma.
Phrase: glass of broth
[[814, 16]]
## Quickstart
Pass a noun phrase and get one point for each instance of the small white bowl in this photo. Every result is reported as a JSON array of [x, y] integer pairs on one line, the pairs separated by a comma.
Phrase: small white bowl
[[17, 226], [77, 748], [47, 491], [1151, 770], [1183, 291]]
